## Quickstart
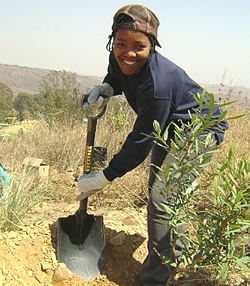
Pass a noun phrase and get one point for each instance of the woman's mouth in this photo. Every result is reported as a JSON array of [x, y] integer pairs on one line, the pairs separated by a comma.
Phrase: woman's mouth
[[130, 66], [130, 63]]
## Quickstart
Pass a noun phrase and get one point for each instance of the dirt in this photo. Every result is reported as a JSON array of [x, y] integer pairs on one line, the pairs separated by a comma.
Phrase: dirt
[[28, 256]]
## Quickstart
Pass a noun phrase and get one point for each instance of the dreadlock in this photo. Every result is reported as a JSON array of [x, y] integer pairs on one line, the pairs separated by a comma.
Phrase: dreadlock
[[120, 21], [110, 43]]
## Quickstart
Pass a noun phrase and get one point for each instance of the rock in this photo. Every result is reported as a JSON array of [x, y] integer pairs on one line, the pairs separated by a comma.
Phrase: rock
[[46, 266], [39, 278], [54, 175], [44, 249], [118, 239], [129, 220], [61, 273], [53, 257], [12, 235], [12, 244], [67, 179], [4, 270]]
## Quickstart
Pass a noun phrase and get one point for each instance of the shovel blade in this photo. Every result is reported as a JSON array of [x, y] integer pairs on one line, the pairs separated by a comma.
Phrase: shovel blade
[[85, 258]]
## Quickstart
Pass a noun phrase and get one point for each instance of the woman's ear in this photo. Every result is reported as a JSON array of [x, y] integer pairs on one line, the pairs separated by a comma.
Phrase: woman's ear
[[152, 43]]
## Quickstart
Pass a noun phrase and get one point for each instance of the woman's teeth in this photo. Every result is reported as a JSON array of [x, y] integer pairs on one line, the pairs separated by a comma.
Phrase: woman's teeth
[[129, 63]]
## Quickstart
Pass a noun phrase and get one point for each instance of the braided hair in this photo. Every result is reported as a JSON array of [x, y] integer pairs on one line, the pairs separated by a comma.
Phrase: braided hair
[[120, 21]]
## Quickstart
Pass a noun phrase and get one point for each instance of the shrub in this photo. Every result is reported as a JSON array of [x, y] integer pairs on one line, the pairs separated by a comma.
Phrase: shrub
[[19, 198], [212, 239]]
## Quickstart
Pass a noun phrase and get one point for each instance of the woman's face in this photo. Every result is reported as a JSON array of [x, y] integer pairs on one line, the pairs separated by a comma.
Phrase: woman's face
[[131, 50]]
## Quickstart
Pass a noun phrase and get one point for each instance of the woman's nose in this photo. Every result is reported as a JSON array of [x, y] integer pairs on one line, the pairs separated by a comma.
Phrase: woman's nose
[[131, 53]]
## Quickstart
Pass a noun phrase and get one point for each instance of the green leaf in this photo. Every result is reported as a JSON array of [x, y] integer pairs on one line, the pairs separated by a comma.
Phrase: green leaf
[[211, 101], [236, 117], [227, 103], [230, 153], [168, 261], [168, 209], [223, 115], [157, 127], [223, 271], [239, 197], [165, 135], [242, 262]]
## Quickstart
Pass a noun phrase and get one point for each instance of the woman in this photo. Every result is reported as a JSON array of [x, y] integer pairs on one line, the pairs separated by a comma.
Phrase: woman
[[156, 89]]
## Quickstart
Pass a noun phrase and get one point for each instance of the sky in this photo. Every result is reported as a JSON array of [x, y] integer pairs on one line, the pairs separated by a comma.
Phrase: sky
[[209, 39]]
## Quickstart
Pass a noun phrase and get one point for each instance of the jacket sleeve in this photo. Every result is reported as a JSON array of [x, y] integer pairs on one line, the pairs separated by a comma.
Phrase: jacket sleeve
[[139, 142]]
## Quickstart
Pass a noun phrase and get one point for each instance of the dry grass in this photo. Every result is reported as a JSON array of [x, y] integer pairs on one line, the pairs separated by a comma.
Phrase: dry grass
[[19, 199], [62, 147]]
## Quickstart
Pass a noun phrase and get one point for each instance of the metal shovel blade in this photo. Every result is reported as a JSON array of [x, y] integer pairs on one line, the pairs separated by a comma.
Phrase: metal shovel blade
[[87, 257]]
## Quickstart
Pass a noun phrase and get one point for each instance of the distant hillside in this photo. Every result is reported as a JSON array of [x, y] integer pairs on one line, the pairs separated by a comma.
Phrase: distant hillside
[[238, 93], [215, 88], [25, 79]]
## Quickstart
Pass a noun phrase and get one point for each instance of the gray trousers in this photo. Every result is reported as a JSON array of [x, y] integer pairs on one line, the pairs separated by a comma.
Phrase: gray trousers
[[154, 272]]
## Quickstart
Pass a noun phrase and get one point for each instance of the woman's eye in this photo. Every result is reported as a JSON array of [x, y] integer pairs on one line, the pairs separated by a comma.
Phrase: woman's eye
[[140, 47], [120, 44]]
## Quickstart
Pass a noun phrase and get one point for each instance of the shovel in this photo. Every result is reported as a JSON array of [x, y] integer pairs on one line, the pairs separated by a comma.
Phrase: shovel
[[80, 237]]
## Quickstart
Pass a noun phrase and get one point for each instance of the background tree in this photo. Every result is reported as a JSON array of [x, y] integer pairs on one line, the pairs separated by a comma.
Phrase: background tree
[[23, 104], [6, 98], [61, 96]]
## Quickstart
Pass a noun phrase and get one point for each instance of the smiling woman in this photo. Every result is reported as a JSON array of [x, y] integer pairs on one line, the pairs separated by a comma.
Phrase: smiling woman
[[131, 50], [157, 90]]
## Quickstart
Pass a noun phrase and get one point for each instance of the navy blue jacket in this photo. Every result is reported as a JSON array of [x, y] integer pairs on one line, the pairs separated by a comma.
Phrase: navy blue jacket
[[161, 91]]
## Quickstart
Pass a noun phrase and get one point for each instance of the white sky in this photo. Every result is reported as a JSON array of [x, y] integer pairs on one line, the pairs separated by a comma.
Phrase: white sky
[[207, 38]]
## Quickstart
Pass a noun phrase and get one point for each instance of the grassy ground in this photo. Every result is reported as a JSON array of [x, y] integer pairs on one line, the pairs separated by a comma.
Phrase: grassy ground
[[15, 129], [62, 148]]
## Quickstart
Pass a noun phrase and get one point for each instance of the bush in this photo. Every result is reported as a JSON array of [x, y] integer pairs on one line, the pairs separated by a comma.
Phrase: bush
[[212, 239], [19, 198]]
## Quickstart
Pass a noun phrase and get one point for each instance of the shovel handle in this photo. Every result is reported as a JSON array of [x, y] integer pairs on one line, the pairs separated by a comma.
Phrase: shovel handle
[[89, 151], [88, 160], [85, 99]]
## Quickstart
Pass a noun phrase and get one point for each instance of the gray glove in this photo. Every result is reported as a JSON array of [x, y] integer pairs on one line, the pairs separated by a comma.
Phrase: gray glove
[[91, 183], [99, 96]]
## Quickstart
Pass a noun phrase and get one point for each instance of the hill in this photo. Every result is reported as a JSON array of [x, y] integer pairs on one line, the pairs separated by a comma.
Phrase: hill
[[240, 93], [26, 79]]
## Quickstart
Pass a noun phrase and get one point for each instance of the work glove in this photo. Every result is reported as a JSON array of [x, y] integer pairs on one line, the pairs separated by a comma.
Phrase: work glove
[[91, 183], [99, 96]]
